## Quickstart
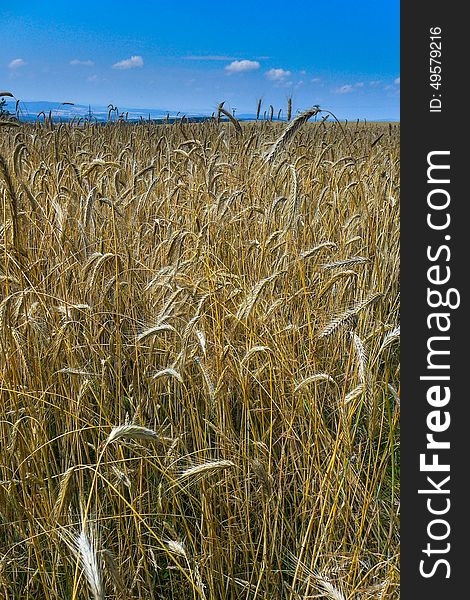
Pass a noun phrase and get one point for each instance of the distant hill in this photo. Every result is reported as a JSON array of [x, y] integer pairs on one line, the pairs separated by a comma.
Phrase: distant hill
[[29, 111]]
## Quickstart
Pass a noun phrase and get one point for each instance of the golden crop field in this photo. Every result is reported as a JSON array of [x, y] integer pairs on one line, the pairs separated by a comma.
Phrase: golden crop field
[[199, 389]]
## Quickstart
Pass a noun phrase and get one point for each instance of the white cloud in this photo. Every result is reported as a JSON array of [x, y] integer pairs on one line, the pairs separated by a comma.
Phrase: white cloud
[[277, 74], [240, 66], [345, 89], [85, 63], [16, 63], [315, 80], [129, 63], [397, 81], [92, 78], [359, 84]]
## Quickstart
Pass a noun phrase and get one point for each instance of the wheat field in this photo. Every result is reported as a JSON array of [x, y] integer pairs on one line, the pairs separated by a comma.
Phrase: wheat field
[[199, 389]]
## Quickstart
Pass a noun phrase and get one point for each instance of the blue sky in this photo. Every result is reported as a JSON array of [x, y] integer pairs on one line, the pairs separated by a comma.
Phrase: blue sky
[[343, 55]]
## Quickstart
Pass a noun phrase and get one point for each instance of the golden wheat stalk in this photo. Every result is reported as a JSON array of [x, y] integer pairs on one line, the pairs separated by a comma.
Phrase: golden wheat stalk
[[221, 111], [312, 379], [290, 131], [346, 316], [205, 469], [134, 432]]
